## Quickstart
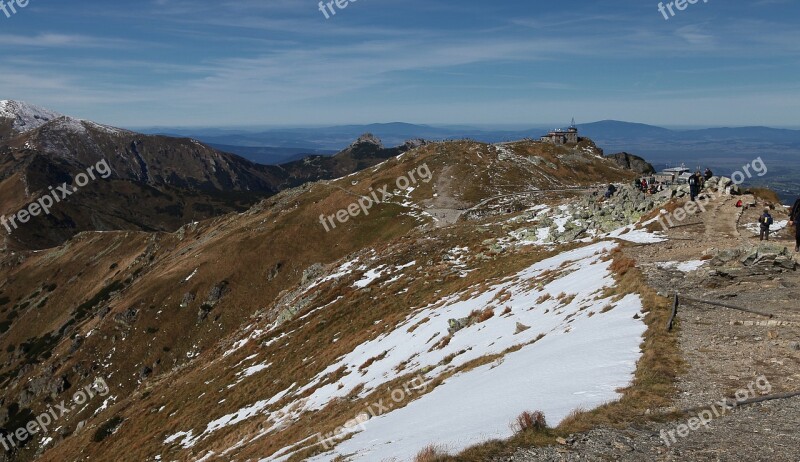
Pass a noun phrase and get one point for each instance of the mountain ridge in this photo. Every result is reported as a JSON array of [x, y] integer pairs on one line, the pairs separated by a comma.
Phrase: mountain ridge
[[180, 179]]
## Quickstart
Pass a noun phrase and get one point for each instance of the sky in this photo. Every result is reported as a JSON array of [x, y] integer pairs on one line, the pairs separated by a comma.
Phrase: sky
[[282, 62]]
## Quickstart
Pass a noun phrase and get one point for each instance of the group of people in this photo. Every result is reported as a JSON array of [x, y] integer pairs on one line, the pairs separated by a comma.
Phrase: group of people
[[696, 184], [651, 187]]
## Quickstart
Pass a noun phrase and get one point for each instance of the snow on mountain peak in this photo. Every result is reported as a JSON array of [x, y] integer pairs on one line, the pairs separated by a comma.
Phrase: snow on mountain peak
[[26, 116]]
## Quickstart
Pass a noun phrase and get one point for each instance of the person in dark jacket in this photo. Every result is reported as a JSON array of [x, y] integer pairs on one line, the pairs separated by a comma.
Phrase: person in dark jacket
[[694, 186], [765, 221], [794, 220], [708, 174]]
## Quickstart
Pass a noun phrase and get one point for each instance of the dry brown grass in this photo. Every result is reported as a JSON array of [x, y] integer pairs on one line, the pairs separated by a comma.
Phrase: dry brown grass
[[529, 422], [765, 194], [479, 316], [432, 453]]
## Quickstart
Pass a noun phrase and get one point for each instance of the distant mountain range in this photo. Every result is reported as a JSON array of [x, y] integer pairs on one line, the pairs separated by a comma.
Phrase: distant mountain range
[[714, 146]]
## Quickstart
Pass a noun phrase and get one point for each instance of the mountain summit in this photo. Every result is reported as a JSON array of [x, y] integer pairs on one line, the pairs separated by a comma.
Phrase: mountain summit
[[25, 117]]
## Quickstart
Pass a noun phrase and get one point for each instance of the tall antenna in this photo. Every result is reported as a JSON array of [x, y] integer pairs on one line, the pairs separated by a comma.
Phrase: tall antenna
[[573, 123]]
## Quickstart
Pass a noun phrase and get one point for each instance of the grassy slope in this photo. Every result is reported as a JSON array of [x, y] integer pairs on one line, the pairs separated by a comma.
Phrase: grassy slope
[[146, 272]]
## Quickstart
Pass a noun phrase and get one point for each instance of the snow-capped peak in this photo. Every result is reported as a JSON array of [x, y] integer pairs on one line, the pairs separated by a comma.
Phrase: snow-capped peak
[[26, 116]]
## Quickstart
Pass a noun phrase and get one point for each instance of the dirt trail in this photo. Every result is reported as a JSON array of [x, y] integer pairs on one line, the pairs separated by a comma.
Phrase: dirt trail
[[725, 350], [722, 219]]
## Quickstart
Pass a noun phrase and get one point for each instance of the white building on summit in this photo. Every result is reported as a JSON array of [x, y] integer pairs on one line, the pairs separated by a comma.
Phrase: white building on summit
[[561, 137]]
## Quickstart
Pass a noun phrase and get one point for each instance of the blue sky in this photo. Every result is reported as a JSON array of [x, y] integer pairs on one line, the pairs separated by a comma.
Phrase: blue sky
[[280, 62]]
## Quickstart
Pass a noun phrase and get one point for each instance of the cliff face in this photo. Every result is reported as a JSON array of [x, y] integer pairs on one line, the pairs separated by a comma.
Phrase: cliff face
[[632, 162]]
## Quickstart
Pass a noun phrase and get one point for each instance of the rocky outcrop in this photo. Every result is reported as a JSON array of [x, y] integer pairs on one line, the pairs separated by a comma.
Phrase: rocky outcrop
[[215, 294], [632, 162], [764, 258], [593, 214]]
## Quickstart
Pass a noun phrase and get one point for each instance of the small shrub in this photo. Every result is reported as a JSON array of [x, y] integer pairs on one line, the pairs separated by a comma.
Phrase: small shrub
[[529, 421], [485, 315], [430, 453], [443, 343]]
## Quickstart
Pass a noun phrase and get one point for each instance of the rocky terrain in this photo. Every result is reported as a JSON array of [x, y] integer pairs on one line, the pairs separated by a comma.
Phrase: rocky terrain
[[504, 279], [725, 350]]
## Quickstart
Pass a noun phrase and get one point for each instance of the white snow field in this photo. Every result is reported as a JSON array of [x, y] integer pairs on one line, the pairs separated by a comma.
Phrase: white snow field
[[562, 344], [584, 357]]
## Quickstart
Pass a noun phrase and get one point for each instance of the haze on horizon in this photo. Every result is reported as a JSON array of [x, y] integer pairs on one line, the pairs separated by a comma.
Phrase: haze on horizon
[[279, 63]]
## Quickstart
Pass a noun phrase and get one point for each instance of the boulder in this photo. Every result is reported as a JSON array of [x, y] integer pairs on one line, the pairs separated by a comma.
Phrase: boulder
[[188, 298], [456, 325], [632, 162]]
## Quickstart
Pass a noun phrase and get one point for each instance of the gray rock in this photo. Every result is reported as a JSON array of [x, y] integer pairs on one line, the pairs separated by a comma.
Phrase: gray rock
[[145, 372], [188, 298], [785, 262], [312, 273], [456, 325], [216, 293], [126, 318], [632, 162]]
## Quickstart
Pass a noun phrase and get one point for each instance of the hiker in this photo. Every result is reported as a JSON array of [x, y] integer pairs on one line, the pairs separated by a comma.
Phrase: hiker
[[708, 174], [794, 217], [610, 191], [766, 222], [694, 185], [644, 185]]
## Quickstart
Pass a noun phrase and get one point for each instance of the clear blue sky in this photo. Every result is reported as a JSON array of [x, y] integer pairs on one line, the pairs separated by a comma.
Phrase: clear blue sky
[[280, 62]]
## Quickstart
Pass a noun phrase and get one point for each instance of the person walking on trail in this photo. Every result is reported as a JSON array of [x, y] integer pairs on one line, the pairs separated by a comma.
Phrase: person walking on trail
[[694, 186], [765, 221], [794, 218]]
